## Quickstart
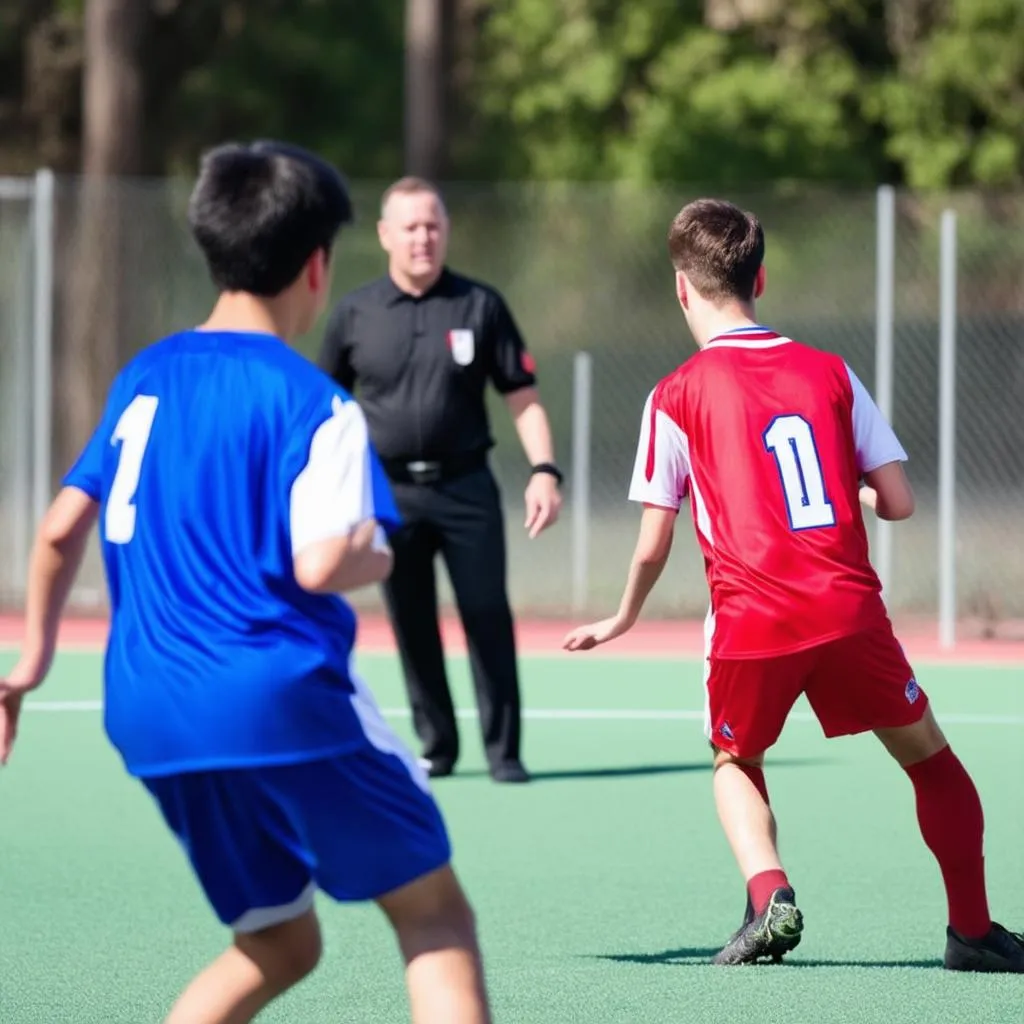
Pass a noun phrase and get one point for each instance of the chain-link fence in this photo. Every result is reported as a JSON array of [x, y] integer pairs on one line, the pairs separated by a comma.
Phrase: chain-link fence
[[584, 268]]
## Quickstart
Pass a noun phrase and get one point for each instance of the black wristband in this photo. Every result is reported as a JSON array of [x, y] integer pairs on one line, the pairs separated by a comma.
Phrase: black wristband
[[547, 467]]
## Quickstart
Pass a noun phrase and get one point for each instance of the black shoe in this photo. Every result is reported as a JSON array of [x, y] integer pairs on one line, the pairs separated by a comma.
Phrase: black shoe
[[768, 935], [748, 916], [999, 952], [437, 767], [509, 771]]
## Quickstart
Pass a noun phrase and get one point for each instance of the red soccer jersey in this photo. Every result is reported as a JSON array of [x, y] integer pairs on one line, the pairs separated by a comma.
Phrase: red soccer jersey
[[770, 439]]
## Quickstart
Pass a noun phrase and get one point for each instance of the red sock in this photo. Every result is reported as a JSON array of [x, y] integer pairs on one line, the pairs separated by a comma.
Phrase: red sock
[[761, 887], [952, 825]]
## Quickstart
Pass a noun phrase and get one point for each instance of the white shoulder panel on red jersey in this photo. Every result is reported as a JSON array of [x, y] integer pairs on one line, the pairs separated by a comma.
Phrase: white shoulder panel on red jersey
[[875, 439], [661, 471]]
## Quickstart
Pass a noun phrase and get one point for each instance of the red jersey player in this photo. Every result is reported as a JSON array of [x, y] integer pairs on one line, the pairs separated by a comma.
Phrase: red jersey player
[[776, 444]]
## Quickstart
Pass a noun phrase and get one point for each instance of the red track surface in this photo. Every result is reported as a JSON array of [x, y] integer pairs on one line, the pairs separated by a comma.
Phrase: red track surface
[[653, 639]]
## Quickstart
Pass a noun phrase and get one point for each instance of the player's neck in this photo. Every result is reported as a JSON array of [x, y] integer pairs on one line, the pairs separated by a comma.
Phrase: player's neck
[[249, 314], [718, 320]]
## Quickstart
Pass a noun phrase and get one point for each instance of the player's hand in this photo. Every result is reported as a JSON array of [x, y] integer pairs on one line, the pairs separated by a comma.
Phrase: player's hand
[[868, 496], [583, 638], [10, 712], [543, 503], [22, 678]]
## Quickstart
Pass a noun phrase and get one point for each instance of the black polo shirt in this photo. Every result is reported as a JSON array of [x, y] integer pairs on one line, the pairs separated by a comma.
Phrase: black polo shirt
[[421, 363]]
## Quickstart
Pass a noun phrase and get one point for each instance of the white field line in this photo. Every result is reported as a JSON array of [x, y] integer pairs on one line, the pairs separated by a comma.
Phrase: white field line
[[575, 714]]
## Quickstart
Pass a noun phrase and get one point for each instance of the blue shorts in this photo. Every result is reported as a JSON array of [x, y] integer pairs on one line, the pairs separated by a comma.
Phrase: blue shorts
[[262, 840]]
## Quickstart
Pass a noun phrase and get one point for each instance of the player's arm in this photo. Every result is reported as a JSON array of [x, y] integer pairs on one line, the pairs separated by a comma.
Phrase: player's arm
[[56, 557], [340, 564], [660, 477], [880, 458], [339, 507], [888, 492]]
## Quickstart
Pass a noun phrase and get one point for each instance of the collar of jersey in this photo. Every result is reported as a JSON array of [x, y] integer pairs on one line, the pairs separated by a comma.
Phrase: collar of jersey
[[748, 337]]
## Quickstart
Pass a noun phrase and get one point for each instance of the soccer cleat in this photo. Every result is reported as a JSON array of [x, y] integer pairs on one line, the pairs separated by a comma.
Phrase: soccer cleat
[[748, 916], [999, 952], [768, 935]]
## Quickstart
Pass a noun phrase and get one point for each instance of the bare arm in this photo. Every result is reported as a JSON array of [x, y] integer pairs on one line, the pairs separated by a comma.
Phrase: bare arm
[[532, 425], [653, 547], [341, 564], [56, 557], [543, 500], [888, 492]]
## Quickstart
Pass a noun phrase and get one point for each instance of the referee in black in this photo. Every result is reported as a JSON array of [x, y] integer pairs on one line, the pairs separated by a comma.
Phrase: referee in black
[[419, 346]]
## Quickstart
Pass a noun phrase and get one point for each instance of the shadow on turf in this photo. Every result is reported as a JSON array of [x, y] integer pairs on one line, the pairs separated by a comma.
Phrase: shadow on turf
[[700, 957], [629, 771]]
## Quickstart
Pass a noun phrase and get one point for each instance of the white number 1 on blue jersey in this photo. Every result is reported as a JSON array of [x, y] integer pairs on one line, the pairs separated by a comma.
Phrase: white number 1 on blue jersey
[[132, 430], [791, 440]]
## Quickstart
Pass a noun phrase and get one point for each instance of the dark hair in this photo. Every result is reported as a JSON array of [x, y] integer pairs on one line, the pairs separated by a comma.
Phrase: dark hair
[[259, 211], [719, 247]]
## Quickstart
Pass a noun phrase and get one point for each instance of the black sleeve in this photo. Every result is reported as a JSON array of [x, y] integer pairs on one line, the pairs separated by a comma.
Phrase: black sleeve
[[334, 349], [512, 367]]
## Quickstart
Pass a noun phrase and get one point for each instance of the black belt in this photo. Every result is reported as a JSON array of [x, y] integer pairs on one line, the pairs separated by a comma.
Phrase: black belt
[[433, 471]]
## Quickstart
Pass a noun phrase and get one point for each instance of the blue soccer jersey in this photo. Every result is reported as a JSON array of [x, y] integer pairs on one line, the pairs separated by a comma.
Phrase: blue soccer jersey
[[219, 456]]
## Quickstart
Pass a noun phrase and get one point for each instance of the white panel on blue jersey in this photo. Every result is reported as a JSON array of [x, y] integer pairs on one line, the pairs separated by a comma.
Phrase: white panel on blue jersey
[[334, 491]]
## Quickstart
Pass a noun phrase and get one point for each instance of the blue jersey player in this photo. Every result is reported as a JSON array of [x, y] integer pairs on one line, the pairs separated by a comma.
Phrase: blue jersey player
[[237, 496]]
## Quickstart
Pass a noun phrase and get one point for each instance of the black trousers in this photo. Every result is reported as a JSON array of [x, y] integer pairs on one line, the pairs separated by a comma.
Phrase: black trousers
[[460, 519]]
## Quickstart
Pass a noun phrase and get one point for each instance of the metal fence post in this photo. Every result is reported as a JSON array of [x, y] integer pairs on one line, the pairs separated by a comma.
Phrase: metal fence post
[[947, 430], [42, 323], [21, 474], [885, 271], [581, 410]]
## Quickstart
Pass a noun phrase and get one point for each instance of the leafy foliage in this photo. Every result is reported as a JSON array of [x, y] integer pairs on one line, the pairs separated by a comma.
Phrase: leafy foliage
[[924, 92]]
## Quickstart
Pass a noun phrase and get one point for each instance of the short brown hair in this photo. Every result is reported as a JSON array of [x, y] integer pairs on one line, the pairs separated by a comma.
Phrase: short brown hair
[[408, 186], [719, 247]]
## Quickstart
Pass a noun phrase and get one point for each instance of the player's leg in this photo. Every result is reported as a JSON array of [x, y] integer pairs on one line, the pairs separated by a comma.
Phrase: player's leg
[[473, 547], [251, 974], [868, 684], [744, 810], [410, 593], [436, 933], [246, 857], [748, 702], [378, 835], [952, 823]]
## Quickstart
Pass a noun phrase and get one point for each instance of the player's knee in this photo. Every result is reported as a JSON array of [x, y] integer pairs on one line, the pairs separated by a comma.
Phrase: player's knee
[[432, 913], [285, 953], [911, 744], [724, 757]]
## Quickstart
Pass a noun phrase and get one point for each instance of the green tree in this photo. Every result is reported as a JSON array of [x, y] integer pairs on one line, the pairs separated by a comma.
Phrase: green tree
[[645, 90], [953, 108]]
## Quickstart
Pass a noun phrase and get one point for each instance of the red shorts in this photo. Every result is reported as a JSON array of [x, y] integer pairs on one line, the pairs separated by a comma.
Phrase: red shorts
[[855, 684]]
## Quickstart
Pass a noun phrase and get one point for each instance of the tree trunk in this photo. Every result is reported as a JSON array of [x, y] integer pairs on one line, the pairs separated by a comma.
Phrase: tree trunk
[[95, 302], [427, 50]]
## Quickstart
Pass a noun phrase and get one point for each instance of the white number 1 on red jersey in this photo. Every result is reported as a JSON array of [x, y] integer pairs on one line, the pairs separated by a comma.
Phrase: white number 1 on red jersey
[[791, 440]]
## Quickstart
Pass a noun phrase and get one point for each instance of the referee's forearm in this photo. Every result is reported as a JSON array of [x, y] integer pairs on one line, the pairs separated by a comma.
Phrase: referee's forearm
[[532, 425]]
